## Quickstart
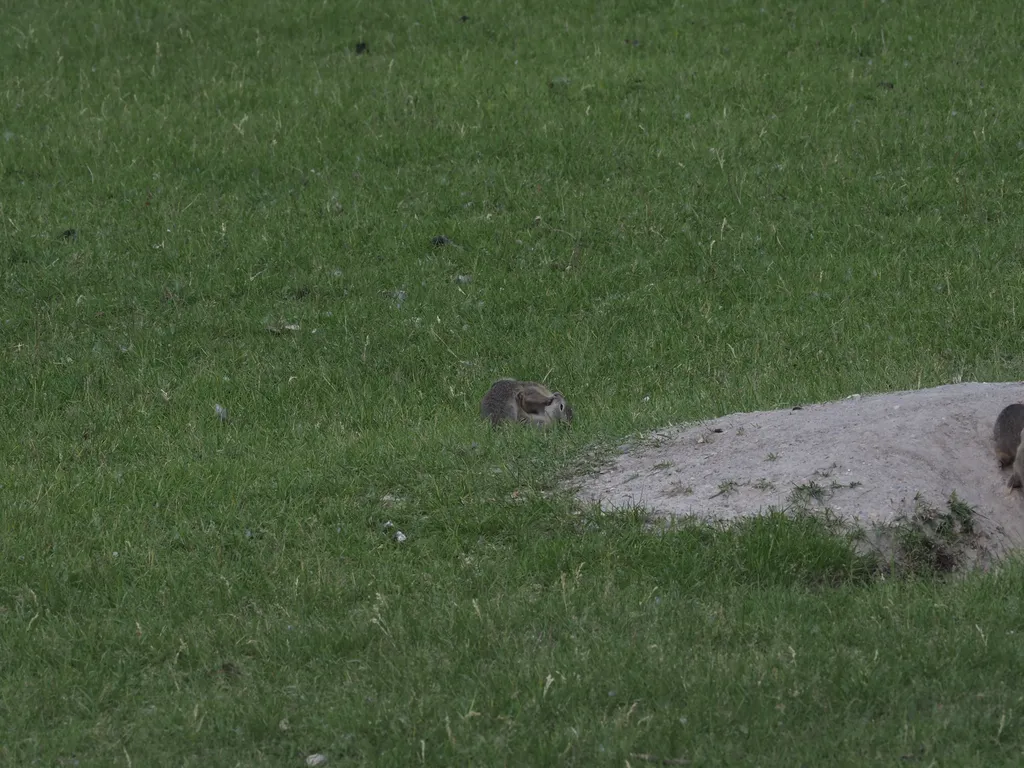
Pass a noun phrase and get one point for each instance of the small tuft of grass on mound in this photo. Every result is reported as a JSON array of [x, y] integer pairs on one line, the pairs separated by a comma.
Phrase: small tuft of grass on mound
[[929, 540]]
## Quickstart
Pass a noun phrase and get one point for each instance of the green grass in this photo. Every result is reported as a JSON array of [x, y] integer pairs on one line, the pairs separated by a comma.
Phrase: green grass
[[736, 213]]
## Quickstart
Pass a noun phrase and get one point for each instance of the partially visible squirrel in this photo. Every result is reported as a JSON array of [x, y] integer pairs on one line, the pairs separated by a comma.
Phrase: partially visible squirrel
[[1008, 446], [525, 401]]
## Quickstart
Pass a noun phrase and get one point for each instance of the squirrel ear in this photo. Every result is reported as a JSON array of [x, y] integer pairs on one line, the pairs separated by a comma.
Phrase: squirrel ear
[[533, 401]]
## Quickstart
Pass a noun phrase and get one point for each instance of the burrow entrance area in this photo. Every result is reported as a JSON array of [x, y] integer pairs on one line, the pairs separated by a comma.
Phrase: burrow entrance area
[[871, 460]]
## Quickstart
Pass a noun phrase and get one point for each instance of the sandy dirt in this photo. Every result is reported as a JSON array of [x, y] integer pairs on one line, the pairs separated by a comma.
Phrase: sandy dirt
[[873, 455]]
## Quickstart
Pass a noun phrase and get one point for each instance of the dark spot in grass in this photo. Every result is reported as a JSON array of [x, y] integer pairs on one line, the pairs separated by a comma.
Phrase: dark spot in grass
[[300, 293], [634, 43], [227, 671], [440, 240], [463, 18], [362, 48], [69, 234], [887, 85]]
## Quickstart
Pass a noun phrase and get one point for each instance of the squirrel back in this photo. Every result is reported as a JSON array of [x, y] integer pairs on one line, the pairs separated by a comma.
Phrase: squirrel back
[[1006, 433]]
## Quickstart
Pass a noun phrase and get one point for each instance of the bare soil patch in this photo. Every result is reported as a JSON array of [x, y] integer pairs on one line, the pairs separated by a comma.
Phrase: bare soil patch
[[873, 460]]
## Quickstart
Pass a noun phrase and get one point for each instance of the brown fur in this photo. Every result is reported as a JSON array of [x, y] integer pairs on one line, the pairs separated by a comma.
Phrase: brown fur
[[1006, 433], [526, 402], [1017, 477]]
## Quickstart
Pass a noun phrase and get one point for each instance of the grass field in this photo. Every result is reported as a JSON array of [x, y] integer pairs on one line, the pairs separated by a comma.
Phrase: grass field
[[669, 211]]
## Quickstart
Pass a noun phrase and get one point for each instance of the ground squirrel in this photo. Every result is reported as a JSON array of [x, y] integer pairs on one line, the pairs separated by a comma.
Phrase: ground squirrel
[[1008, 447], [524, 401]]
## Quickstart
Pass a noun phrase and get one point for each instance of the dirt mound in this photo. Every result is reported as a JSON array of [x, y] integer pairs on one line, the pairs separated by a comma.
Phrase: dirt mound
[[870, 459]]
